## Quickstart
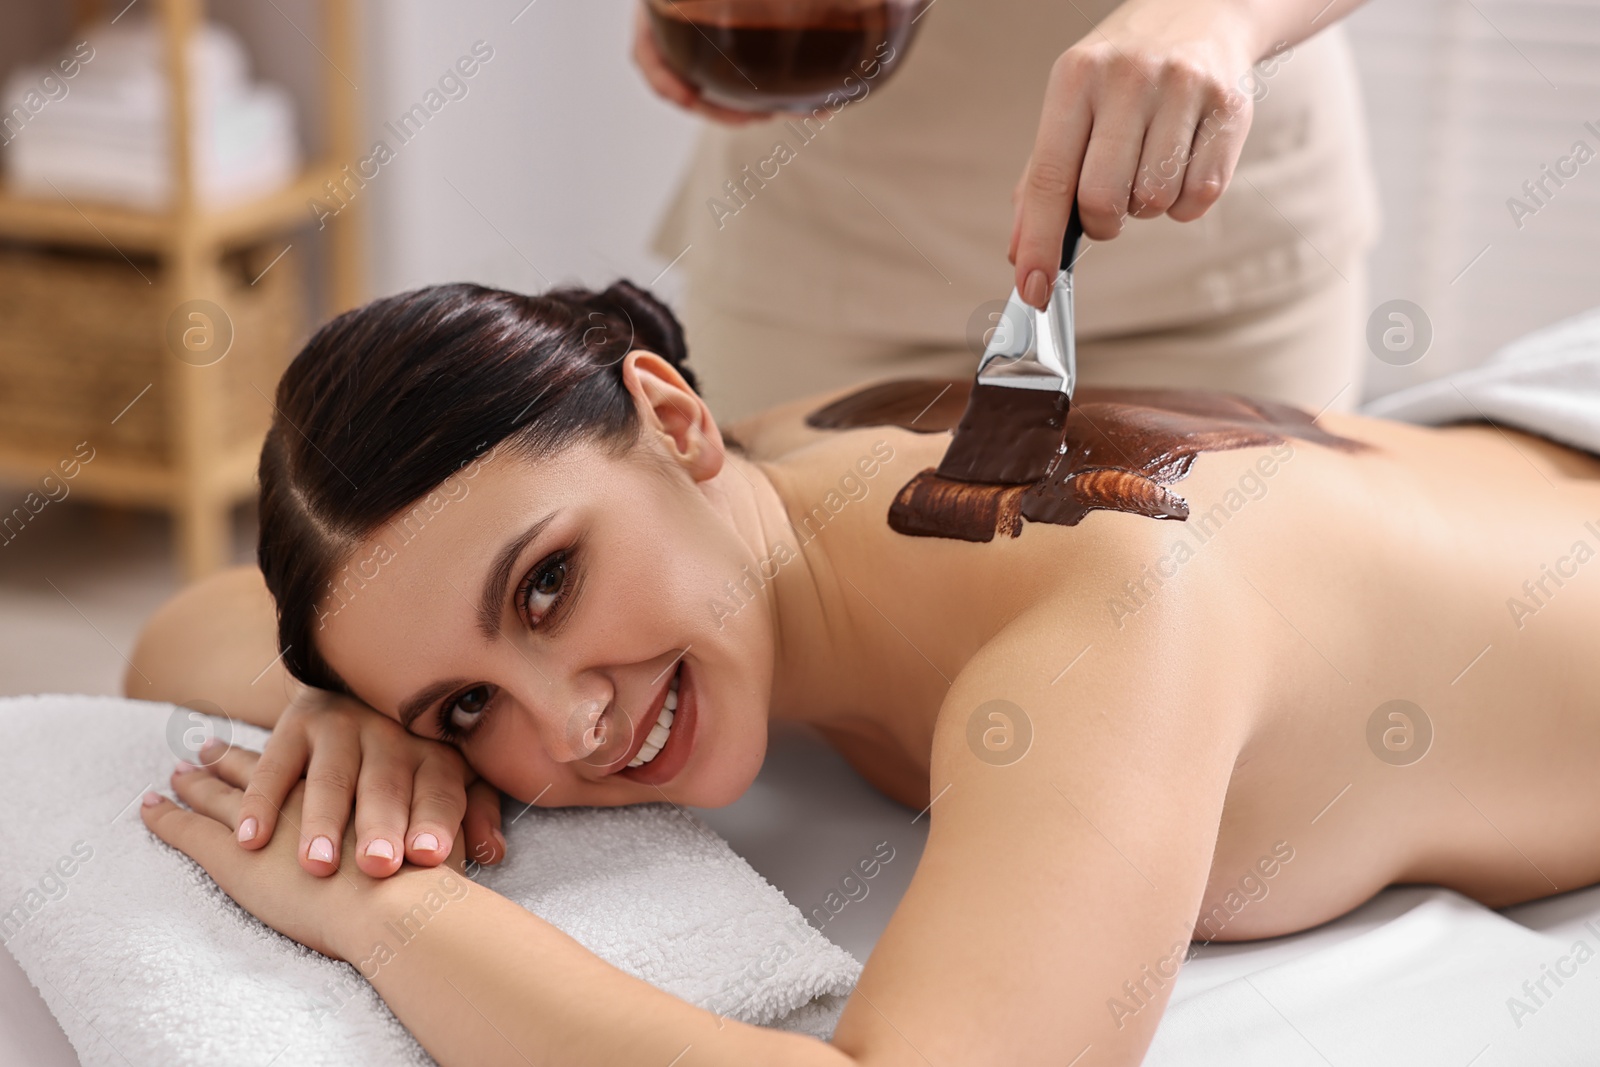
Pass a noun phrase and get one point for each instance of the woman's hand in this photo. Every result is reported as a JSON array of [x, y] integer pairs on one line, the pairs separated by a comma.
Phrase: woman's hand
[[1145, 116], [669, 86], [329, 915], [411, 795]]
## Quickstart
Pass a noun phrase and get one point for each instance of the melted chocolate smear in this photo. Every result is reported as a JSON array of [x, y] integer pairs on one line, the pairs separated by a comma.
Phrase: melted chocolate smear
[[1007, 435], [1121, 449]]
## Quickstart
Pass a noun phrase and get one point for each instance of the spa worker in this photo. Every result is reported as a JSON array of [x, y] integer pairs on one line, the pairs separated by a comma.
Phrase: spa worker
[[875, 250]]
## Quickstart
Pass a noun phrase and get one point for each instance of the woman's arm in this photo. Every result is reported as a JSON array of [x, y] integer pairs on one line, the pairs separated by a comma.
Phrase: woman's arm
[[1045, 923], [484, 982], [1049, 888], [217, 641]]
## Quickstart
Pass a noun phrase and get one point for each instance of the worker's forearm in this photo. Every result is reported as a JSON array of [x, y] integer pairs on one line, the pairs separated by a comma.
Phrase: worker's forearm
[[1250, 29], [215, 641], [480, 981], [1288, 22]]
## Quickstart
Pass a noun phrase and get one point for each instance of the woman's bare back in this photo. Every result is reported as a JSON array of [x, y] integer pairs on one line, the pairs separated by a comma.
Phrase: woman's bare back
[[1404, 629]]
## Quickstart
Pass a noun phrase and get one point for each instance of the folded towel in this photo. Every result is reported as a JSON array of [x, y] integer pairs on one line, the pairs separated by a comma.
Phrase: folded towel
[[102, 133], [144, 960], [1547, 383], [244, 147]]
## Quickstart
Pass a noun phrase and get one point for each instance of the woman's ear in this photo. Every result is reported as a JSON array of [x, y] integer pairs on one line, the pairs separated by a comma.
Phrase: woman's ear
[[667, 406]]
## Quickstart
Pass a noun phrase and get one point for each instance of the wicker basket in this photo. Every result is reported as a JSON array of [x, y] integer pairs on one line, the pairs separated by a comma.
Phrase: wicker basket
[[82, 335]]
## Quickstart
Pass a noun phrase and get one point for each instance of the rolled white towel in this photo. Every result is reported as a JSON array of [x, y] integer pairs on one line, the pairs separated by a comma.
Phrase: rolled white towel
[[144, 960]]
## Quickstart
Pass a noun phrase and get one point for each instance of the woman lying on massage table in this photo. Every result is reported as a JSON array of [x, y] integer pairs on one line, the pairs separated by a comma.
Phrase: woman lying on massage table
[[510, 525]]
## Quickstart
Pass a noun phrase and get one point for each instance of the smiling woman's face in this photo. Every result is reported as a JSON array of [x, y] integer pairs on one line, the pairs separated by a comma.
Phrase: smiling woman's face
[[535, 614]]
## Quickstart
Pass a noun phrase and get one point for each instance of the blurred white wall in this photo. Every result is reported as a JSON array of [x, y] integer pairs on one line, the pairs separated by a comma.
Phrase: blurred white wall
[[554, 166], [1467, 100]]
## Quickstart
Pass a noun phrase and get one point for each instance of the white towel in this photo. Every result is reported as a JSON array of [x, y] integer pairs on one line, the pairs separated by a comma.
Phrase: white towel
[[144, 960], [103, 133], [1547, 383]]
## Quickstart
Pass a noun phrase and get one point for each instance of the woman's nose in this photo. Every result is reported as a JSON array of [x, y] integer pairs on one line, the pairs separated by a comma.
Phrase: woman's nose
[[584, 733]]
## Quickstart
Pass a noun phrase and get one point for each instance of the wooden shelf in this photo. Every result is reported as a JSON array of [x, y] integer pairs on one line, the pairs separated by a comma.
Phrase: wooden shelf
[[140, 483], [198, 479], [85, 222]]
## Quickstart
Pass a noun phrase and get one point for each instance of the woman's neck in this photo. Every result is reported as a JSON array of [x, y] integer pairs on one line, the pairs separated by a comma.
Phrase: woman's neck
[[815, 647]]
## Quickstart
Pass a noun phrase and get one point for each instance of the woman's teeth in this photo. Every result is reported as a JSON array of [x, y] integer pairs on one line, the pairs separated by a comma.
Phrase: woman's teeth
[[657, 738]]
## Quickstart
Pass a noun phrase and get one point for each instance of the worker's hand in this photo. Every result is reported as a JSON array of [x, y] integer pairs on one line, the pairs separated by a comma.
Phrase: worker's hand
[[669, 86], [411, 795], [1144, 116]]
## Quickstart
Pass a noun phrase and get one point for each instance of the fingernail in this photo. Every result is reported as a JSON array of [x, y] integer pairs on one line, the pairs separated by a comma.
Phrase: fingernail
[[500, 839], [321, 849], [381, 849], [213, 748], [151, 799], [1034, 291], [247, 829], [184, 767], [425, 843]]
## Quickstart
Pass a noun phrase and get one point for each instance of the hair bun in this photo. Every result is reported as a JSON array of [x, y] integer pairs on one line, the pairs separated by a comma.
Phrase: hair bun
[[651, 324]]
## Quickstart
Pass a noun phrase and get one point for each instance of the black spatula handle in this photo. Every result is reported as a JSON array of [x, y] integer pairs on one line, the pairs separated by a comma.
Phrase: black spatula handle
[[1069, 243]]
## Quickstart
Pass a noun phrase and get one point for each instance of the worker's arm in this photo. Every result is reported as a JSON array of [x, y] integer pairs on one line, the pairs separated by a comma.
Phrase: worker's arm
[[1146, 114]]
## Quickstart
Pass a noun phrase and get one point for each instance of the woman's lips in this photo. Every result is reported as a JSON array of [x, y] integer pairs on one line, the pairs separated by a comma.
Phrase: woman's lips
[[670, 760], [646, 723]]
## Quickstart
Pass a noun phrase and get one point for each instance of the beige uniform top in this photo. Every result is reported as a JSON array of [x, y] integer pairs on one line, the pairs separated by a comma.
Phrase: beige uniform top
[[892, 219]]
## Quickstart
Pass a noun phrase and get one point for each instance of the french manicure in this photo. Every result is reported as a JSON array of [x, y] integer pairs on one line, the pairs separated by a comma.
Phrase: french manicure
[[321, 849], [151, 799], [184, 767], [247, 829], [380, 849], [425, 843], [500, 839]]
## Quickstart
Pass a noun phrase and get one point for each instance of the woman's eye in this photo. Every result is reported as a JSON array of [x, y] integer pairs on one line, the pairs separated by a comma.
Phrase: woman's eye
[[462, 714], [543, 587]]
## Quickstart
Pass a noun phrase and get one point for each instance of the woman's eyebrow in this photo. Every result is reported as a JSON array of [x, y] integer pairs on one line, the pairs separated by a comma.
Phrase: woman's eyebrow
[[424, 699], [494, 585]]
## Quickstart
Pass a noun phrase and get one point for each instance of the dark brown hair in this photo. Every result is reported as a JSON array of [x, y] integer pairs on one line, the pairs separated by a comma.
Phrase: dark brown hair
[[387, 401]]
